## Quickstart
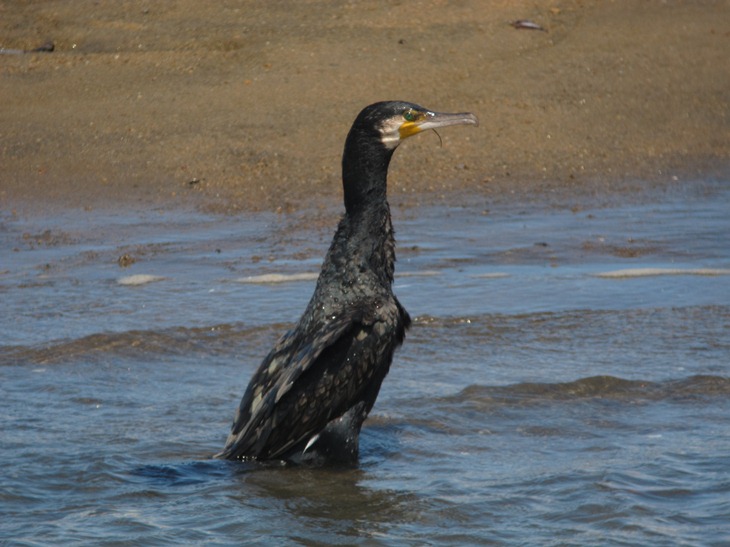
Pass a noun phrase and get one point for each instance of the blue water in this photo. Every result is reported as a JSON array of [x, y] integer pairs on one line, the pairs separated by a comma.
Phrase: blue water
[[535, 401]]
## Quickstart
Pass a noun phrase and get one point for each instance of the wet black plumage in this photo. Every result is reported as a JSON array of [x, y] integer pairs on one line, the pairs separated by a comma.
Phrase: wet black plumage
[[308, 399]]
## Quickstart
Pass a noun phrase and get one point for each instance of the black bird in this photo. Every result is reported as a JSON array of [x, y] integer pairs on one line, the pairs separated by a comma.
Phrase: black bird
[[307, 401]]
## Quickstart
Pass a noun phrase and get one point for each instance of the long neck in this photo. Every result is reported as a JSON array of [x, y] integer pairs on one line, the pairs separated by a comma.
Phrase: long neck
[[360, 263], [364, 170], [372, 242], [363, 244]]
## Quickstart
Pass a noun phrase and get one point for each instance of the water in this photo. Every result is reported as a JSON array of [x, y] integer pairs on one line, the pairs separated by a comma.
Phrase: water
[[536, 400]]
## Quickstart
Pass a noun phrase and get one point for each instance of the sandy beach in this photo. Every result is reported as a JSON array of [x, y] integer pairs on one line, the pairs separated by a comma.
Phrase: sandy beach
[[244, 106]]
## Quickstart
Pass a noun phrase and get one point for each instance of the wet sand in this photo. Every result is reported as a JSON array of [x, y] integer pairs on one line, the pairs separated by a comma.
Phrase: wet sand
[[241, 106]]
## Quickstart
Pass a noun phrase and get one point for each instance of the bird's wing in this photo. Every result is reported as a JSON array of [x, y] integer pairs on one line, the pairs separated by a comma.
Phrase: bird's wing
[[291, 357]]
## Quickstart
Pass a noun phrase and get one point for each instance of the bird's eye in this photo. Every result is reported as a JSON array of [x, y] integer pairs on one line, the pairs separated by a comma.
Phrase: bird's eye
[[410, 115]]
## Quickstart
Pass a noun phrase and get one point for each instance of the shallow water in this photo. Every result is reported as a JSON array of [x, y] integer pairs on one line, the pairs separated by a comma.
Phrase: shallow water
[[536, 400]]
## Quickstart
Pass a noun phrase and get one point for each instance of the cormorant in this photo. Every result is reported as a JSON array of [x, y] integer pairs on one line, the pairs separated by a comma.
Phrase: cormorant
[[309, 397]]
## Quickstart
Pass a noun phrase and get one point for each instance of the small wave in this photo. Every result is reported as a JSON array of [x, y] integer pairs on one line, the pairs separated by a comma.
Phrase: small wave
[[491, 275], [596, 387], [139, 279], [187, 473], [422, 273], [278, 278], [180, 341], [647, 272]]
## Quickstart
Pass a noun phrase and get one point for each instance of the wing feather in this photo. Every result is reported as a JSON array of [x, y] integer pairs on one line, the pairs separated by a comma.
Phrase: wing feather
[[294, 354]]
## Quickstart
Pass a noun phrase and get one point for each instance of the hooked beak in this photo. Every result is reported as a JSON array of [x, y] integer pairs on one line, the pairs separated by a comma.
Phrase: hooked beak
[[435, 120]]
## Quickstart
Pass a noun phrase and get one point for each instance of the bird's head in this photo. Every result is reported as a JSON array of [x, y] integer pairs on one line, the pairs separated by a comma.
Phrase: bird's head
[[397, 120], [373, 138]]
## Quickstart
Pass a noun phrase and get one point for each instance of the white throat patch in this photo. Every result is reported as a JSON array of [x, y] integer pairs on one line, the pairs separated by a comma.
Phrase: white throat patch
[[390, 132]]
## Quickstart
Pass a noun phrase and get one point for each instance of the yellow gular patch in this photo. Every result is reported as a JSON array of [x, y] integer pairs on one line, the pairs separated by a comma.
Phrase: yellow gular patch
[[408, 129], [396, 128]]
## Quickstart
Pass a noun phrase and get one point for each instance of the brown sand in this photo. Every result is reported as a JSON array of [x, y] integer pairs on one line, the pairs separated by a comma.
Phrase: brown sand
[[245, 105]]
